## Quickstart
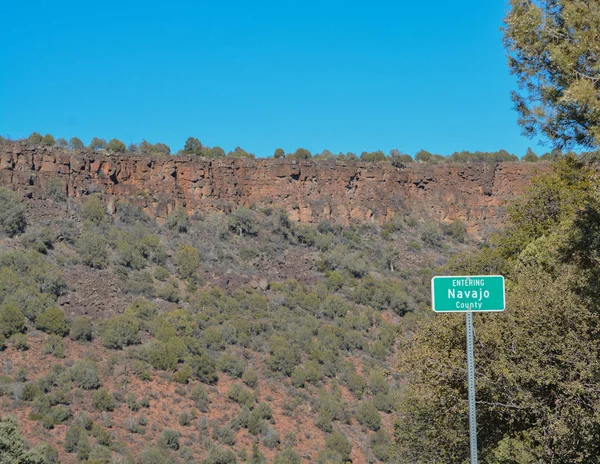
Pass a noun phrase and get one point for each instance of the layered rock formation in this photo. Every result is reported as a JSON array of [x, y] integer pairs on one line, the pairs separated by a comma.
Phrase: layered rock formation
[[341, 192]]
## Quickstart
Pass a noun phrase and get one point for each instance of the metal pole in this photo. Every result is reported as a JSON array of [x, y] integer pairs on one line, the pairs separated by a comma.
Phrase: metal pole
[[471, 382]]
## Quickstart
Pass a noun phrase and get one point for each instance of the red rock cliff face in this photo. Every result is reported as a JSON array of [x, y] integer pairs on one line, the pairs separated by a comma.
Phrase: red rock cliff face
[[310, 191]]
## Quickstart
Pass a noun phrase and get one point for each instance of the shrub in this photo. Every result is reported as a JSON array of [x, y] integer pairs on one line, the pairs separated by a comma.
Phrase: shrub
[[120, 331], [93, 210], [102, 400], [83, 446], [431, 235], [12, 320], [98, 144], [161, 274], [377, 383], [289, 456], [34, 138], [240, 395], [81, 329], [270, 438], [204, 368], [75, 143], [381, 445], [40, 240], [169, 439], [334, 281], [116, 146], [231, 365], [160, 356], [283, 357], [56, 190], [183, 375], [219, 455], [306, 234], [178, 220], [250, 378], [72, 438], [242, 222], [338, 443], [456, 229], [55, 346], [53, 321], [187, 261], [19, 342], [200, 397], [12, 213], [92, 249], [368, 416], [154, 456]]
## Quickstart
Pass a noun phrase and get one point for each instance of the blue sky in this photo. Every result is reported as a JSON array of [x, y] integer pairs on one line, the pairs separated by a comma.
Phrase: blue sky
[[260, 74]]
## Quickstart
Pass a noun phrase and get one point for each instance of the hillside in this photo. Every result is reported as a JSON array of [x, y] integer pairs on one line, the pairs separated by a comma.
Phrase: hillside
[[231, 334]]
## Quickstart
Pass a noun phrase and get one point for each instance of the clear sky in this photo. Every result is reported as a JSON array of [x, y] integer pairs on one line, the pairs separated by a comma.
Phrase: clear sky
[[337, 75]]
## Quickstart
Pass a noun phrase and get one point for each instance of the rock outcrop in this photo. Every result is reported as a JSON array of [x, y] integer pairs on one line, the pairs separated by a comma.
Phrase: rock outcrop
[[341, 192]]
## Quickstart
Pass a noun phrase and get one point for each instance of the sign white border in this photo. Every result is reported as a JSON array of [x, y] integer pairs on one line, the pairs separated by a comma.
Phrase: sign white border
[[466, 310]]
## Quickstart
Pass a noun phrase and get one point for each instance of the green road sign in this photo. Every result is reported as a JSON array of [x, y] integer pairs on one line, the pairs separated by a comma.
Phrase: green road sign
[[467, 293]]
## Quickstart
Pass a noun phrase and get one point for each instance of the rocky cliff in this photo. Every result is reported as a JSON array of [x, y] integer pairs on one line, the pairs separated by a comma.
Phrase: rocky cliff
[[477, 193]]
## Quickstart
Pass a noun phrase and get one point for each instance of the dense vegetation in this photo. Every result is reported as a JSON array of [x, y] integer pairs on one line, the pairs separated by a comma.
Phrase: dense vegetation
[[537, 363], [233, 338], [553, 48], [193, 147]]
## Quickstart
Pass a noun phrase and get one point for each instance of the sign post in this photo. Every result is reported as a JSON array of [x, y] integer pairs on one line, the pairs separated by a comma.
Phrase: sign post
[[468, 294]]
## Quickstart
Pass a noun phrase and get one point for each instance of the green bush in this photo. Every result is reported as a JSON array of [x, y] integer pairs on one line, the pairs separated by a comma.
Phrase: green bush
[[72, 438], [81, 329], [102, 400], [85, 373], [116, 146], [19, 342], [204, 368], [368, 416], [48, 140], [178, 220], [232, 365], [289, 456], [55, 346], [338, 443], [93, 210], [161, 274], [200, 397], [431, 235], [120, 331], [381, 445], [456, 229], [169, 439], [187, 261], [219, 455], [12, 320], [53, 321], [83, 446], [250, 377], [240, 395], [40, 240], [98, 144], [271, 438], [12, 213], [334, 281], [34, 138], [92, 249], [75, 143], [243, 222]]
